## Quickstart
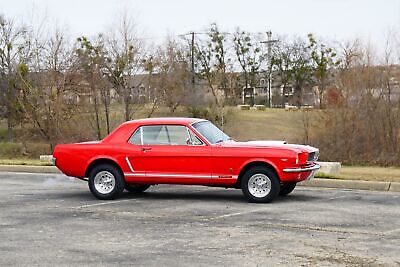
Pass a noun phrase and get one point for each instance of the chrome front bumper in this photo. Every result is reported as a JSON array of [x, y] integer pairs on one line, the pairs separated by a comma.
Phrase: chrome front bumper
[[312, 169]]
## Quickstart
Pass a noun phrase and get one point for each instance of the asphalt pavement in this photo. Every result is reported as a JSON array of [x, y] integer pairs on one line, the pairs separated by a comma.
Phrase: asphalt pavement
[[50, 219]]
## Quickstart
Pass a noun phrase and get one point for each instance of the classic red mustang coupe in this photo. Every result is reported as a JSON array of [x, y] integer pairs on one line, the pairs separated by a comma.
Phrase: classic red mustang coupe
[[146, 152]]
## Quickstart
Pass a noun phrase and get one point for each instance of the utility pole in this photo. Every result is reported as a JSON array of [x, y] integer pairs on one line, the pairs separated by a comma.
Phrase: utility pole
[[269, 43], [192, 56]]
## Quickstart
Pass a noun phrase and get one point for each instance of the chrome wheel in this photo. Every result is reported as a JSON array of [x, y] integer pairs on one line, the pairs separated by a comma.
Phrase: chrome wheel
[[259, 185], [104, 182]]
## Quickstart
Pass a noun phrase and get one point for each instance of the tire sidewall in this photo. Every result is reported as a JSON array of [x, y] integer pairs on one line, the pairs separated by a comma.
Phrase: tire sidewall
[[275, 184], [287, 188], [119, 182], [136, 188]]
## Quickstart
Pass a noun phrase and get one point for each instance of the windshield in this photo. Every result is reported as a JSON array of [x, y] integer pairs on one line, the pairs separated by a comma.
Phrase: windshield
[[211, 132]]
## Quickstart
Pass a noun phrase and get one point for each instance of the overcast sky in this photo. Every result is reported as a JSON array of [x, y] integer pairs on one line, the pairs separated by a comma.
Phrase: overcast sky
[[330, 19]]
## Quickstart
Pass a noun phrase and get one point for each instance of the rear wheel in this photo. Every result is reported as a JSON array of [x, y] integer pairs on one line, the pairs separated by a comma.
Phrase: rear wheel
[[136, 188], [106, 181], [287, 188], [260, 184]]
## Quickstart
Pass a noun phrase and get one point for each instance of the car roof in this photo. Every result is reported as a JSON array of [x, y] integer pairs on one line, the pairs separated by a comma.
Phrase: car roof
[[167, 120], [125, 130]]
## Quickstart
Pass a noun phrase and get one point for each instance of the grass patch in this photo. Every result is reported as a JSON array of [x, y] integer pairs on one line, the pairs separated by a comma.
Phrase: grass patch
[[271, 124]]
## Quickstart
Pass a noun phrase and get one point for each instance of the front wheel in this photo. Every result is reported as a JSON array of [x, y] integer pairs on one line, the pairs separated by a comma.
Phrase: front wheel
[[260, 185], [287, 188], [106, 182]]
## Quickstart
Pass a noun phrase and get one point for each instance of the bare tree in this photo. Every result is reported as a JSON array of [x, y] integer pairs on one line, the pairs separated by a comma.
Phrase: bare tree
[[174, 76], [281, 61], [323, 60], [125, 53], [363, 126], [12, 43], [301, 69], [91, 59], [42, 85], [206, 67], [249, 55]]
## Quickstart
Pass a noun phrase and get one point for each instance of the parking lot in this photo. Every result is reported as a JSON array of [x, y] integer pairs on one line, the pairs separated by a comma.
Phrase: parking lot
[[50, 219]]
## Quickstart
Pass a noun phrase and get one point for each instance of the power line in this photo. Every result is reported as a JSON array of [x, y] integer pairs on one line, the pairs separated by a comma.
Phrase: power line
[[189, 34]]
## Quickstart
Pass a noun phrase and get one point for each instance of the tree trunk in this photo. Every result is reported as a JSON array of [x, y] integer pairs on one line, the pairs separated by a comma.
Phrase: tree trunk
[[10, 112], [127, 106], [10, 133], [106, 108], [96, 110]]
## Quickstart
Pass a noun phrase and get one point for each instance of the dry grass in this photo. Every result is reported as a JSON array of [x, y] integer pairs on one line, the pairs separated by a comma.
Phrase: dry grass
[[271, 124]]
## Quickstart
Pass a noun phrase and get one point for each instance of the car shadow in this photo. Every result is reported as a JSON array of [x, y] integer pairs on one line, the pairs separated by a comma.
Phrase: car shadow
[[223, 195], [220, 195]]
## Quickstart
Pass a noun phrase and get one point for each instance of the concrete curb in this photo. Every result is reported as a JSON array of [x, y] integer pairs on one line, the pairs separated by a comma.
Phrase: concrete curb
[[317, 182]]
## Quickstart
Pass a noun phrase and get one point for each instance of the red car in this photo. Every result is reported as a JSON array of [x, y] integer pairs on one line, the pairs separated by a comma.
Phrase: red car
[[189, 151]]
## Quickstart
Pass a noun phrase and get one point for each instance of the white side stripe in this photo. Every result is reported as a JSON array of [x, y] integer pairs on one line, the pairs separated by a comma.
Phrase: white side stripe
[[129, 164], [152, 175], [135, 174]]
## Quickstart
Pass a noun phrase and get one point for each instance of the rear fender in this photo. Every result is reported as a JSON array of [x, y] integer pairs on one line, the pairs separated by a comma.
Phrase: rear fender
[[98, 159]]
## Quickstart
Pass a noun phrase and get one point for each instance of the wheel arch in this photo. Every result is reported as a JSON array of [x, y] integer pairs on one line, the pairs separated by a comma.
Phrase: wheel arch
[[247, 166], [102, 160]]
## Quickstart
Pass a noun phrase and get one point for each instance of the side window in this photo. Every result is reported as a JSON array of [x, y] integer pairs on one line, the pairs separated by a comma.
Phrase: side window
[[155, 135], [164, 135], [136, 137], [178, 135]]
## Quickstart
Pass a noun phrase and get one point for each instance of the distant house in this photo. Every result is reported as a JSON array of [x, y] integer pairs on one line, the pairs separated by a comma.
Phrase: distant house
[[279, 95]]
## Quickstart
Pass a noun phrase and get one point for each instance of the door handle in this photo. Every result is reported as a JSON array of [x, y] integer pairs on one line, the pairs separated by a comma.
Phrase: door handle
[[144, 149]]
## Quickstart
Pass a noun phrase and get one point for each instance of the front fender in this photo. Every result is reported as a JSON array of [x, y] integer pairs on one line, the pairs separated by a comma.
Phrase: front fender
[[262, 160]]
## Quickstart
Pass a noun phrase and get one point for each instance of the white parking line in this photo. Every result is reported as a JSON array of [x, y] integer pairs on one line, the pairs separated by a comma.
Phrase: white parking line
[[233, 214], [102, 203], [34, 173]]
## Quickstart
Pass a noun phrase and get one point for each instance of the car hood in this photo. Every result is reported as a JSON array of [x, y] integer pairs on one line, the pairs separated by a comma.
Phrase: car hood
[[270, 144]]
